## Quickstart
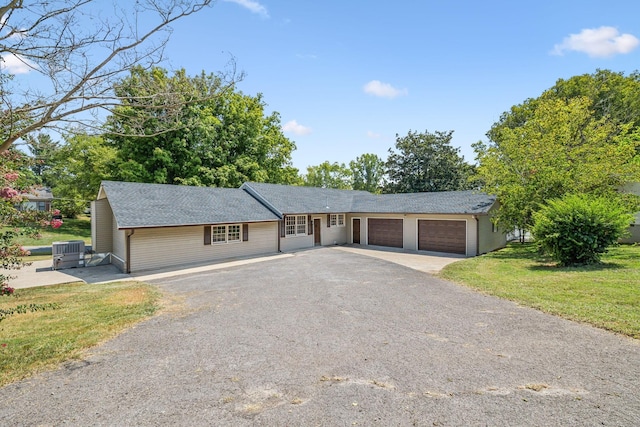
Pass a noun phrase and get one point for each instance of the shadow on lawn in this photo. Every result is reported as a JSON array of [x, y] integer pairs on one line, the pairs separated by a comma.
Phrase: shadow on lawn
[[553, 267], [541, 262]]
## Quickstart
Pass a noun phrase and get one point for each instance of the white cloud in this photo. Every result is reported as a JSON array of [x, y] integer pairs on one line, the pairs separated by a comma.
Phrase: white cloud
[[253, 6], [309, 56], [383, 90], [14, 65], [600, 42], [373, 135], [296, 128]]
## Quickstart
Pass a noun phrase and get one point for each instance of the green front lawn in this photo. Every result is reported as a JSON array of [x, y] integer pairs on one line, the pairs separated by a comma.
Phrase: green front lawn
[[605, 295], [81, 316], [72, 229]]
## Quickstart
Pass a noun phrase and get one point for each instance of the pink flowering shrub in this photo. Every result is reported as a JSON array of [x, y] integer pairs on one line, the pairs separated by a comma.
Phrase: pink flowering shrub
[[9, 193], [6, 290], [15, 223], [11, 176]]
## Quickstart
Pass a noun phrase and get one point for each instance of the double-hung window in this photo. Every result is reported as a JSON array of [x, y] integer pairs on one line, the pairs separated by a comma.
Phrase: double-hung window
[[219, 234], [295, 225], [225, 233], [336, 220]]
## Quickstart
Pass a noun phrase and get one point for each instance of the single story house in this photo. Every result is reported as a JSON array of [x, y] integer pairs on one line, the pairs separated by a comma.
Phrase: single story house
[[38, 199], [146, 226]]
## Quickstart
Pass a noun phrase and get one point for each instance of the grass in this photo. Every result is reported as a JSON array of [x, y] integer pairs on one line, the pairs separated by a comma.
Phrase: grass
[[606, 295], [72, 229], [37, 257], [86, 316]]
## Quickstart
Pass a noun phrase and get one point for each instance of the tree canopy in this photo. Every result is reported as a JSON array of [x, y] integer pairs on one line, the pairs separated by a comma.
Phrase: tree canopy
[[577, 137], [368, 172], [426, 162], [76, 169], [223, 137], [328, 175]]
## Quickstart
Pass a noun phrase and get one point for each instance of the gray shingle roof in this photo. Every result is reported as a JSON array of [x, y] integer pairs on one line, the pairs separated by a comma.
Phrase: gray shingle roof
[[287, 199], [284, 199], [138, 205], [444, 202]]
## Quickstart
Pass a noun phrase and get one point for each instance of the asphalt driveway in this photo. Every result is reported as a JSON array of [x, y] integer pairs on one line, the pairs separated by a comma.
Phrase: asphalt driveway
[[328, 337]]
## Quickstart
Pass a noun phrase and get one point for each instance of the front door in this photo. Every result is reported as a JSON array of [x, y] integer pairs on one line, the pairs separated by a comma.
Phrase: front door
[[355, 227], [316, 232]]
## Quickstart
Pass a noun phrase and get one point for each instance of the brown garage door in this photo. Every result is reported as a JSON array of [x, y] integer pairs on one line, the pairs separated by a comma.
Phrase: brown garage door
[[384, 232], [442, 236]]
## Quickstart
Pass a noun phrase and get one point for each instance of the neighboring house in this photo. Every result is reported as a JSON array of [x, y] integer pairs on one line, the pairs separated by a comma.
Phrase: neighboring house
[[37, 199], [148, 226], [634, 227]]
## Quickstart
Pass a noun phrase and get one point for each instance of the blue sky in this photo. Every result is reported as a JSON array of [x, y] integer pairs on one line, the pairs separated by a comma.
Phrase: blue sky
[[347, 76]]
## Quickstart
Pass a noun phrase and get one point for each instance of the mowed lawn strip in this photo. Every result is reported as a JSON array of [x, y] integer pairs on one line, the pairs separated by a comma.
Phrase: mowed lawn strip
[[72, 229], [605, 295], [86, 315]]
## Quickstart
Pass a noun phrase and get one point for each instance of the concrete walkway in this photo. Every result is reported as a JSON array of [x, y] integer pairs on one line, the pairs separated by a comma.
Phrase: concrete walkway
[[427, 262]]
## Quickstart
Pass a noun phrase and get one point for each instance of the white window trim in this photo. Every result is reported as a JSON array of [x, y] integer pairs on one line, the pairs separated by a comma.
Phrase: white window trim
[[298, 222], [336, 219], [226, 234]]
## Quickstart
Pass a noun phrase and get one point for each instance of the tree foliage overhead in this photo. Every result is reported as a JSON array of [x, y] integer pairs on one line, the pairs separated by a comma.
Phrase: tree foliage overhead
[[198, 131], [426, 162], [77, 49], [328, 175], [577, 137], [76, 169], [368, 172]]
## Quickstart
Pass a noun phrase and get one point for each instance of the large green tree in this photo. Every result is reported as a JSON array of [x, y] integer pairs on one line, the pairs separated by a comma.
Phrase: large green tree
[[550, 147], [426, 162], [42, 148], [328, 175], [368, 172], [77, 168], [223, 137], [615, 96]]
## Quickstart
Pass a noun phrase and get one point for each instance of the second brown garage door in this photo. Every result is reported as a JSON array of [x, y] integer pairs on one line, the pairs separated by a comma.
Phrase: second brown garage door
[[384, 232], [442, 236]]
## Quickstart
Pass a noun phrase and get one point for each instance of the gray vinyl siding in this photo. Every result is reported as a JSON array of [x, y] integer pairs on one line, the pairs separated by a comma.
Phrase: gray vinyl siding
[[119, 246], [490, 240], [328, 236], [334, 235], [101, 226], [174, 246], [296, 242]]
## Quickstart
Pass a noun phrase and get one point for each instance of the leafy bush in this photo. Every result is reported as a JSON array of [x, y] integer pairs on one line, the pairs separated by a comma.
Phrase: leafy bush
[[70, 208], [577, 229]]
